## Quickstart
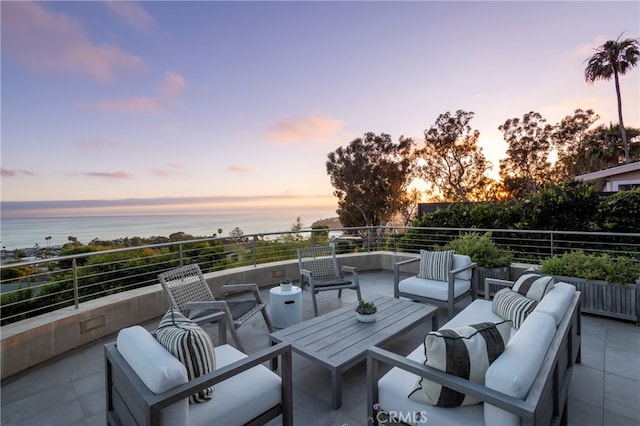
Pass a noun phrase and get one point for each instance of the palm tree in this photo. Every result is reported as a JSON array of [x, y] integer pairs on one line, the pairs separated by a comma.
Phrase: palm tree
[[614, 58]]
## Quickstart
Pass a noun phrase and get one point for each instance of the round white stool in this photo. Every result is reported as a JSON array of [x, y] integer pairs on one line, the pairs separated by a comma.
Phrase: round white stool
[[285, 307]]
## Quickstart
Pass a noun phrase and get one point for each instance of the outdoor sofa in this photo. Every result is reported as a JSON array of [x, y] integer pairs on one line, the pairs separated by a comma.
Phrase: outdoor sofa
[[526, 385]]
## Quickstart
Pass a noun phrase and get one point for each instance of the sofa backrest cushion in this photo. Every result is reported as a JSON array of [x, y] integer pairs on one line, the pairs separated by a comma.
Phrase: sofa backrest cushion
[[435, 265], [158, 369], [465, 352], [512, 306], [515, 370], [532, 285], [557, 301], [190, 344]]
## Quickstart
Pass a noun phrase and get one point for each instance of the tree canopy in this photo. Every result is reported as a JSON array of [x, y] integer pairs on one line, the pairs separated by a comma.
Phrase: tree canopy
[[370, 178]]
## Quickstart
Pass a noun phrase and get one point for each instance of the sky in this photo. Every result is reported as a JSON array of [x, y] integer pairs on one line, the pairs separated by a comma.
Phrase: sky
[[176, 104]]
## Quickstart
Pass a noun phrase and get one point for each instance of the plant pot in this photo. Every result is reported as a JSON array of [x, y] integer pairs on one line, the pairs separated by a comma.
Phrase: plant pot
[[606, 299], [480, 273], [365, 318], [285, 285]]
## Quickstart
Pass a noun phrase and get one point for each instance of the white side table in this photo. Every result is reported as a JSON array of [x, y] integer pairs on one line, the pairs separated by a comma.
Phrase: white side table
[[285, 307]]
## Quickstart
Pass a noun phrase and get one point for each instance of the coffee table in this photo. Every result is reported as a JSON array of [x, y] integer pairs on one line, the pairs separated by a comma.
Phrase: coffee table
[[338, 341]]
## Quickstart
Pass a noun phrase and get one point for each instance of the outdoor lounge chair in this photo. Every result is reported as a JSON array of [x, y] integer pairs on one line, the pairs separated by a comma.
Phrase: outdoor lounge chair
[[188, 292], [319, 269]]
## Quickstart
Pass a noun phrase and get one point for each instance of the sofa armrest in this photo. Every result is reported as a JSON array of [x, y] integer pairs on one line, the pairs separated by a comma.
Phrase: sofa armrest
[[494, 281], [377, 356]]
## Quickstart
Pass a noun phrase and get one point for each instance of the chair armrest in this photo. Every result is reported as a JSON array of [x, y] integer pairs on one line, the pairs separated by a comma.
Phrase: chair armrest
[[351, 269], [178, 393], [495, 281], [235, 289], [452, 276], [377, 356], [396, 273], [463, 268], [210, 304]]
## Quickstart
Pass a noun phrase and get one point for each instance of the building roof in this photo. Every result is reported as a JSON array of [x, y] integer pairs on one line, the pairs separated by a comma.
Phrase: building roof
[[613, 171]]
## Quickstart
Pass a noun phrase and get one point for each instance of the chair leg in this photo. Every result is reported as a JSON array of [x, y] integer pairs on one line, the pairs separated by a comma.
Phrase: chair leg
[[236, 338], [267, 320], [358, 293], [339, 293], [315, 304]]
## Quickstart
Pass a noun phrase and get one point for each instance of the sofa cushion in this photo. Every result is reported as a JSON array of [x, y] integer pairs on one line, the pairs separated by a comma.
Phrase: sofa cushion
[[512, 306], [239, 398], [158, 369], [188, 342], [465, 352], [515, 370], [534, 286], [435, 265], [557, 301]]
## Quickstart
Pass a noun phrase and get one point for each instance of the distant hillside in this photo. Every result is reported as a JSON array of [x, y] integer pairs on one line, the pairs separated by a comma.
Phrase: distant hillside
[[331, 222]]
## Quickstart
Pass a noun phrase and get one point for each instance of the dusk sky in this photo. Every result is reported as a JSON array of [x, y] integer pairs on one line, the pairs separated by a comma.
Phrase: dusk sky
[[217, 100]]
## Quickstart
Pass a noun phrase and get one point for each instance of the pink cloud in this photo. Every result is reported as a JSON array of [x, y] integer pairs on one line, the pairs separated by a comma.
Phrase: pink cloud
[[48, 41], [290, 130], [132, 14], [172, 85], [111, 175], [171, 169], [98, 143], [12, 173], [239, 169], [134, 104]]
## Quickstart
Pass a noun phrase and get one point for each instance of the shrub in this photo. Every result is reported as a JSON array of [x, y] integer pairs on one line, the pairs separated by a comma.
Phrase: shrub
[[481, 249], [619, 270]]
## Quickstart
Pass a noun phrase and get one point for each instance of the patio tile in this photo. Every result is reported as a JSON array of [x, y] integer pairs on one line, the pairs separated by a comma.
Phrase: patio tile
[[57, 406], [623, 335], [592, 355], [34, 381], [587, 385], [616, 419], [91, 394], [621, 395], [583, 414], [622, 363]]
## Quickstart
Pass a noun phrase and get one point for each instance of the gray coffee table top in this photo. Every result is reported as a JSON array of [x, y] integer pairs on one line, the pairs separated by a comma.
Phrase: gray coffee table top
[[338, 341]]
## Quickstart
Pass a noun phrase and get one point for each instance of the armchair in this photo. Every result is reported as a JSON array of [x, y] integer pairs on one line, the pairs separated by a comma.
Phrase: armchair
[[188, 291], [451, 284]]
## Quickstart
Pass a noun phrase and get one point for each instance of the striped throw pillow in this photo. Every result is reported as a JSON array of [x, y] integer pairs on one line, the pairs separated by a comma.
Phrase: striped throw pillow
[[188, 342], [435, 265], [465, 352], [533, 286], [512, 306]]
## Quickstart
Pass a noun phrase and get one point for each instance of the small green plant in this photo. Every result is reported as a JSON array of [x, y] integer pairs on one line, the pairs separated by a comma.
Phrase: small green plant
[[481, 249], [619, 270], [366, 308]]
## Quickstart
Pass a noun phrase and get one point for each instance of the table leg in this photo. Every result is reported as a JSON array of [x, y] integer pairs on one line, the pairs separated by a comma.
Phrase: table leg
[[434, 321], [336, 388]]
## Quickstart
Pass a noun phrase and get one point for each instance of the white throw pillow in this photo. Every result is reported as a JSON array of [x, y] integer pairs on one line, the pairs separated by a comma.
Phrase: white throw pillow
[[188, 342], [435, 265], [465, 352], [534, 286]]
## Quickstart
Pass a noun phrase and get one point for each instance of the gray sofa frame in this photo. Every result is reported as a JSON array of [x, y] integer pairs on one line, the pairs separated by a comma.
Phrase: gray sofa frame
[[131, 402], [546, 402]]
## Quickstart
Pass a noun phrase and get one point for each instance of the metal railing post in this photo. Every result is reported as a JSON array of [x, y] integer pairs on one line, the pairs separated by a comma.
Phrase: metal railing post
[[253, 250], [551, 234], [74, 267], [181, 255]]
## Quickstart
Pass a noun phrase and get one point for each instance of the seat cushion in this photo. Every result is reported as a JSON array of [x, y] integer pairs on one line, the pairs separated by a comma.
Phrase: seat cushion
[[465, 352], [512, 306], [239, 398], [432, 289], [435, 265], [158, 369], [188, 342], [532, 285]]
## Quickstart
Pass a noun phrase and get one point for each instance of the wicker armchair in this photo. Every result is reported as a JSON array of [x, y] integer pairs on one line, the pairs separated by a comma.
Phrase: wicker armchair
[[188, 291]]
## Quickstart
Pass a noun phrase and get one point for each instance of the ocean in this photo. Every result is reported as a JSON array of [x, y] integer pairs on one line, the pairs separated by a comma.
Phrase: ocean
[[27, 232]]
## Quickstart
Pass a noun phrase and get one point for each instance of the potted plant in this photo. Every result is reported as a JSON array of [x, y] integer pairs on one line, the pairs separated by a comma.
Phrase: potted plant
[[608, 284], [493, 262], [366, 311]]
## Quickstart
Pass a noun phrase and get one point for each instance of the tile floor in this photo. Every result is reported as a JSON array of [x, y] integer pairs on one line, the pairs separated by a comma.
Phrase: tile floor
[[69, 391]]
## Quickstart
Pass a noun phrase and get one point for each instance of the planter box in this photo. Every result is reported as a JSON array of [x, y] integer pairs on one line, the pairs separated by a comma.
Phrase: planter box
[[480, 273], [602, 298]]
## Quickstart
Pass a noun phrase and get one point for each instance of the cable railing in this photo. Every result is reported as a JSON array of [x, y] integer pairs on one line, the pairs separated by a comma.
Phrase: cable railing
[[32, 287]]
